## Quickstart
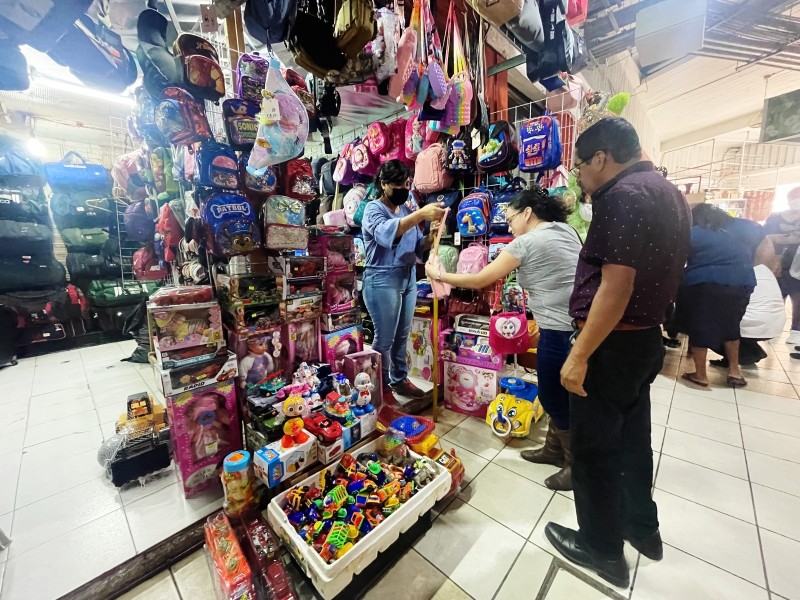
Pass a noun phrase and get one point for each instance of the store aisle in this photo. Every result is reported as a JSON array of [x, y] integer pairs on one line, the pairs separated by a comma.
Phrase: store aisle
[[727, 485], [68, 523]]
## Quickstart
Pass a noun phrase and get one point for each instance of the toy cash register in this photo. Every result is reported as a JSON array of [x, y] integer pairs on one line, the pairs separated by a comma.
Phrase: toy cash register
[[468, 343]]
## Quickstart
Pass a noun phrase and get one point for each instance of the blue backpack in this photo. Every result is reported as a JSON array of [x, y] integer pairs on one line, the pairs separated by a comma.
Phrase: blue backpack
[[230, 224], [500, 202], [472, 217], [216, 166], [540, 145], [269, 21]]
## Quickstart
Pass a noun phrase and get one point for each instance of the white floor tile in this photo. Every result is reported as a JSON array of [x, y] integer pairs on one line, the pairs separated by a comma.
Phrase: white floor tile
[[193, 577], [475, 436], [709, 407], [47, 519], [447, 419], [496, 489], [707, 427], [9, 475], [49, 382], [165, 512], [110, 413], [51, 430], [775, 473], [714, 392], [412, 573], [561, 510], [710, 488], [779, 445], [772, 421], [56, 359], [698, 530], [12, 438], [70, 560], [788, 406], [664, 382], [527, 575], [765, 374], [134, 490], [781, 557], [511, 459], [566, 585], [661, 396], [43, 411], [112, 382], [659, 414], [680, 575], [777, 511], [473, 464], [471, 549], [657, 437], [160, 587], [707, 453]]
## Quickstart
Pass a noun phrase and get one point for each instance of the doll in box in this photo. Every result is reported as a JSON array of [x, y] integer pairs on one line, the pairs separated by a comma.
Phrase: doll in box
[[258, 363], [469, 389], [303, 343], [341, 291], [341, 343], [209, 424]]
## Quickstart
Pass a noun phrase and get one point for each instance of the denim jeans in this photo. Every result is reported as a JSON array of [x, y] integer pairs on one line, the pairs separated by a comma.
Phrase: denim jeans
[[553, 349], [612, 468], [390, 296]]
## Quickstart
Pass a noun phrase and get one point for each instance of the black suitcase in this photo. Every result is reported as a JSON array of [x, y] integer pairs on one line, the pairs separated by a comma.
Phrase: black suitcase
[[8, 337]]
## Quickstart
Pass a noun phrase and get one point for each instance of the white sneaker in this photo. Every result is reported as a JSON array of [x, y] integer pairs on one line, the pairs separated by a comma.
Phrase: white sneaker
[[794, 338]]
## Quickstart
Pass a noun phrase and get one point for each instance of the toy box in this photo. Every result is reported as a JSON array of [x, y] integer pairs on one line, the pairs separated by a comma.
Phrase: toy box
[[335, 322], [329, 452], [174, 359], [302, 341], [184, 326], [300, 288], [297, 267], [369, 423], [252, 318], [187, 294], [369, 362], [338, 344], [469, 390], [419, 349], [467, 343], [339, 251], [260, 354], [183, 379], [205, 429], [231, 571], [247, 289], [301, 309], [340, 292], [273, 463]]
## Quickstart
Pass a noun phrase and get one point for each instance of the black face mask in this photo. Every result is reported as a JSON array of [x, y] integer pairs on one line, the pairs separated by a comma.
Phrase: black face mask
[[398, 197]]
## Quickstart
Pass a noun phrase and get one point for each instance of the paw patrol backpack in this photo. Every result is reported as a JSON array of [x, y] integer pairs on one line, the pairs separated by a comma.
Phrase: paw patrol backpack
[[230, 225]]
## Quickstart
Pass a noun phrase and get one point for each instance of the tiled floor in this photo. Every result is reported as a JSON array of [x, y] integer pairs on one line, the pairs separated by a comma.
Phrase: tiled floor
[[727, 485], [67, 522]]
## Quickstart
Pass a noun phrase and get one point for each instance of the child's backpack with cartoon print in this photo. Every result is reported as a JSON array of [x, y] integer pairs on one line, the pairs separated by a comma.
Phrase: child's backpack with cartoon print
[[180, 118], [298, 180], [230, 224], [241, 123], [252, 70], [501, 151], [216, 166], [473, 214], [541, 145], [201, 71]]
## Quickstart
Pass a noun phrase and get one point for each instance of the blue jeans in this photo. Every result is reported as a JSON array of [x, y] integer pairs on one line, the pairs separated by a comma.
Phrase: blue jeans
[[552, 352], [391, 296]]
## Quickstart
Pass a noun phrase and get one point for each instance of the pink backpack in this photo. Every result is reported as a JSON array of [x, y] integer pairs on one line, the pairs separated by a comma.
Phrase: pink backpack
[[362, 161], [415, 137], [508, 333], [430, 175], [396, 149], [352, 199], [378, 138], [343, 172], [473, 259]]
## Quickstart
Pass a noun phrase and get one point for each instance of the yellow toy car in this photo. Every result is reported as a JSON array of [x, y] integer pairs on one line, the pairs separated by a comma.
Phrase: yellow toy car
[[511, 413]]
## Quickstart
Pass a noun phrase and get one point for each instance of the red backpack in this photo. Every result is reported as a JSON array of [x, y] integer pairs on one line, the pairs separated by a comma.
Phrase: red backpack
[[171, 232], [298, 180], [146, 266], [180, 118], [201, 71]]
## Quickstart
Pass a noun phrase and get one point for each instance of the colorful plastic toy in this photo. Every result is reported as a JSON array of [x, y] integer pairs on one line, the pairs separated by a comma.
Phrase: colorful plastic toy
[[362, 396], [234, 577], [294, 407], [327, 430], [512, 412]]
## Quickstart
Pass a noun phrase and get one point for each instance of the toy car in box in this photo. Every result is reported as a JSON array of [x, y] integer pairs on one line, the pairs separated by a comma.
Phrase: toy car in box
[[274, 463], [297, 267], [300, 288], [249, 289], [342, 320], [295, 310], [252, 318], [182, 357], [327, 430], [265, 418], [263, 551], [184, 326], [182, 379], [176, 296]]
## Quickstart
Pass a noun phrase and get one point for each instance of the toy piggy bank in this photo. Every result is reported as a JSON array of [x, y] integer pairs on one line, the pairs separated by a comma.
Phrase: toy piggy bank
[[509, 415]]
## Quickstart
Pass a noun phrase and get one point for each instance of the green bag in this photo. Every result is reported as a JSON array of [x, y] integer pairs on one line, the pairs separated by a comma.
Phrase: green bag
[[109, 292], [448, 255], [84, 240]]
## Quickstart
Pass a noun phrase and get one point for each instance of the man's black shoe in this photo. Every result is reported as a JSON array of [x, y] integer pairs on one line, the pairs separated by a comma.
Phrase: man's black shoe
[[569, 545], [651, 545]]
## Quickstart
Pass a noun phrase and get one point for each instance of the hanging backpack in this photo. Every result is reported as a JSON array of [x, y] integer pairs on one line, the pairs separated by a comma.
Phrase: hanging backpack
[[241, 124], [72, 173], [79, 209], [497, 12], [128, 180], [500, 200], [139, 225], [343, 171], [16, 207], [163, 184], [355, 26], [169, 230], [473, 259], [541, 145], [352, 200], [160, 68], [414, 137], [312, 42], [90, 239], [363, 162], [251, 74], [216, 166], [180, 118], [265, 184], [460, 156], [202, 73], [430, 174], [396, 148], [30, 273], [146, 266], [527, 27], [269, 21], [230, 225], [85, 265], [500, 153], [497, 244], [378, 138], [24, 238], [298, 180], [282, 210], [472, 217]]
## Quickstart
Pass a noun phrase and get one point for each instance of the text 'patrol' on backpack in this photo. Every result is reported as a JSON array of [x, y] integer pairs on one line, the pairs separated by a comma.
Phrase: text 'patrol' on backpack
[[540, 145], [216, 166], [499, 222], [230, 224], [202, 73], [472, 218], [500, 153]]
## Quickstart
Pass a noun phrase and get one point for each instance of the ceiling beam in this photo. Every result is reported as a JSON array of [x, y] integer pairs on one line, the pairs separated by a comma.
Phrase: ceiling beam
[[602, 26], [712, 131]]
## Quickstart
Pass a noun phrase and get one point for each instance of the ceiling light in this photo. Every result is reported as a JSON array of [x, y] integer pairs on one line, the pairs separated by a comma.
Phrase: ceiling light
[[79, 90], [36, 148]]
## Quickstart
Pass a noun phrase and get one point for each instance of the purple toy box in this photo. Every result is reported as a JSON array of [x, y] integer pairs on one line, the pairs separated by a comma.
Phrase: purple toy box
[[338, 344], [469, 390], [302, 341]]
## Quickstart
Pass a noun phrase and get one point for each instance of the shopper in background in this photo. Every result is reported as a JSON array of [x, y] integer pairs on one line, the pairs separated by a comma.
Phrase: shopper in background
[[545, 253], [628, 273], [393, 241], [783, 229], [716, 288]]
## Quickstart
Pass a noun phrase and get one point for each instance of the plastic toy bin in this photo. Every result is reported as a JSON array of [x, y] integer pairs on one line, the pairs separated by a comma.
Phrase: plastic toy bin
[[331, 579]]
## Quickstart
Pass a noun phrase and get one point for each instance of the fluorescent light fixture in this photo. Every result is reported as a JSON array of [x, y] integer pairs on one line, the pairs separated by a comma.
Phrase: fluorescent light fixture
[[35, 147], [79, 90]]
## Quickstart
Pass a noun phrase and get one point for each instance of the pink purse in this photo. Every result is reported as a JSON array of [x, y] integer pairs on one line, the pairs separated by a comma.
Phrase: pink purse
[[508, 333], [440, 288]]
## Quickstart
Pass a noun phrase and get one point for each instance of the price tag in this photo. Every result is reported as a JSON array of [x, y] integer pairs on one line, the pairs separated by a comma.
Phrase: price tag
[[270, 110], [457, 238]]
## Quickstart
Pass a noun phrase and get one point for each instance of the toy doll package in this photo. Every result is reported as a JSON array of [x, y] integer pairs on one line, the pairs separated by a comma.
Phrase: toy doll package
[[260, 355], [337, 345], [184, 326], [469, 390], [205, 428], [302, 343], [368, 362], [341, 294]]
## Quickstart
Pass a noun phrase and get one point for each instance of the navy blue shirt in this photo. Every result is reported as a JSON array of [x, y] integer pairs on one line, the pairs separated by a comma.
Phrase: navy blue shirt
[[724, 257]]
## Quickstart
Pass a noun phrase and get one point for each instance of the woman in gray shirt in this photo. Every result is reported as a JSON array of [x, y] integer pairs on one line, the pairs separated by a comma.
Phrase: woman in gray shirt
[[545, 254]]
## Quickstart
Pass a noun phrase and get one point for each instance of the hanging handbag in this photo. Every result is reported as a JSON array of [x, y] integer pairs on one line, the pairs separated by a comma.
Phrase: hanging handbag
[[508, 331], [440, 288]]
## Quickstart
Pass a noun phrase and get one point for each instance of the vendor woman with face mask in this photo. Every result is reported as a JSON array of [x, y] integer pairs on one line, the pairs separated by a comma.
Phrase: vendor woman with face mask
[[393, 242]]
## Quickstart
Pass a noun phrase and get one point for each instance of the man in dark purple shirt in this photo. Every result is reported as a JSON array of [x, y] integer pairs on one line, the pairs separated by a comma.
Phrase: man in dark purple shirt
[[628, 273]]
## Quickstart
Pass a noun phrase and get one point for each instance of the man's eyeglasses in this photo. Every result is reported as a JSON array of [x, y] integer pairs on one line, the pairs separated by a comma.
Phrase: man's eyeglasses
[[576, 167]]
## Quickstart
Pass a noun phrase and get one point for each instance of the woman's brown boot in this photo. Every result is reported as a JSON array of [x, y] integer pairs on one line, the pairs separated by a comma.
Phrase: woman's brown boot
[[549, 454], [562, 481]]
